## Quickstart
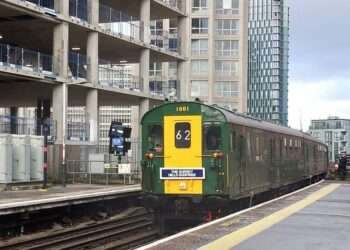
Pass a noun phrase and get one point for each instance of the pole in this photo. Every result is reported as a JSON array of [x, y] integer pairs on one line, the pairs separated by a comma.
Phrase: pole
[[46, 130]]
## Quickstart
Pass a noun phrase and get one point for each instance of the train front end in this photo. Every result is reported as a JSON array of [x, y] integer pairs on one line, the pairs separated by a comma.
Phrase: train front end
[[184, 156]]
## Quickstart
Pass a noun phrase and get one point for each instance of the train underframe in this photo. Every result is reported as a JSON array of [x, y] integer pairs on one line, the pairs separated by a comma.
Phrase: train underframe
[[199, 209]]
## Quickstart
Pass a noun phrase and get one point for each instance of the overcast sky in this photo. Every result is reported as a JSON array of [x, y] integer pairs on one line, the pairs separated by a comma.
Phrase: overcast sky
[[319, 83]]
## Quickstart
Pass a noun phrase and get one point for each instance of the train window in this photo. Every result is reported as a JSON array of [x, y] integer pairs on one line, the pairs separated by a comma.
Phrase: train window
[[182, 135], [155, 138], [233, 141], [212, 135]]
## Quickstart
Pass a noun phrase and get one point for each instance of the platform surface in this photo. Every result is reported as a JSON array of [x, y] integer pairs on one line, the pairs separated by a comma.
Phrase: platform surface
[[19, 201], [317, 217]]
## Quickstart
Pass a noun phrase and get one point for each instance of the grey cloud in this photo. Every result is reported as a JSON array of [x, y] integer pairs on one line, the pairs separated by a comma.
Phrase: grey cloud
[[320, 39]]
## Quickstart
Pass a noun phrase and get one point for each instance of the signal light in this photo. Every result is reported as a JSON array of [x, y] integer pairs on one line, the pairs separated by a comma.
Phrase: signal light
[[218, 155], [149, 156]]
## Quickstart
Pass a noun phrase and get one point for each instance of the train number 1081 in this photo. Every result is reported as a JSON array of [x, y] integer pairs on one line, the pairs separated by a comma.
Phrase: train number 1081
[[182, 109]]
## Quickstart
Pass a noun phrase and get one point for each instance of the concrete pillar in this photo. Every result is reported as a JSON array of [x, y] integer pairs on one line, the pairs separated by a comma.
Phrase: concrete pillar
[[92, 57], [62, 7], [144, 107], [144, 69], [60, 50], [211, 51], [183, 67], [93, 11], [59, 106], [92, 109], [145, 18]]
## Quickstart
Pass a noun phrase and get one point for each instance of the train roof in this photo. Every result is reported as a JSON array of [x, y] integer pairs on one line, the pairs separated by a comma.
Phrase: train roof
[[248, 121]]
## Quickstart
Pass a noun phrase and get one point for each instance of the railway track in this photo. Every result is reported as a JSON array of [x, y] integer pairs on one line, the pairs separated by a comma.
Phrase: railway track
[[116, 233]]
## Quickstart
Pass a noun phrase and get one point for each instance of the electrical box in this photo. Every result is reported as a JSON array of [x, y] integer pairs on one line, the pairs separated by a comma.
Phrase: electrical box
[[21, 158], [5, 158], [37, 158]]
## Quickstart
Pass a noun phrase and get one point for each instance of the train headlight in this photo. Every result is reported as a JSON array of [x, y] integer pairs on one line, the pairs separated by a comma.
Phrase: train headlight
[[149, 156], [218, 155]]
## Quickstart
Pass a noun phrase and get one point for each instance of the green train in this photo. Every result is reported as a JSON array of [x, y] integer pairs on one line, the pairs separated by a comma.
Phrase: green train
[[208, 157]]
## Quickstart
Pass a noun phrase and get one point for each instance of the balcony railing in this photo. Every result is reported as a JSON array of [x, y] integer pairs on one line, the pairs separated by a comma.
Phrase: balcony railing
[[50, 4], [25, 60], [166, 40], [161, 87], [77, 65], [178, 4], [78, 9], [27, 126], [118, 78], [119, 23]]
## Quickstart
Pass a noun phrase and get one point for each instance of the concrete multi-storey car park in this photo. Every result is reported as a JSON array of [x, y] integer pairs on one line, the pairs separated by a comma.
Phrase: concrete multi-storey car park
[[56, 52]]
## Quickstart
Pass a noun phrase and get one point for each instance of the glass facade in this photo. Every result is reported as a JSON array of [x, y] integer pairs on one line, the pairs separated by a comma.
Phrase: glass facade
[[268, 60]]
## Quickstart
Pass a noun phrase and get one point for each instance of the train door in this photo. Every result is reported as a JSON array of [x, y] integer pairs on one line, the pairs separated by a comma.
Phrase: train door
[[243, 162], [183, 171]]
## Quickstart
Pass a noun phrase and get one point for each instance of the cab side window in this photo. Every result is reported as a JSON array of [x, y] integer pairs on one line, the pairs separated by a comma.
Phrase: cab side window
[[212, 137], [155, 138]]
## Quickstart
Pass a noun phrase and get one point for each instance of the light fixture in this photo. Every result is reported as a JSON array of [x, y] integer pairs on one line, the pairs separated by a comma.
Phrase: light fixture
[[1, 37], [123, 61], [75, 48]]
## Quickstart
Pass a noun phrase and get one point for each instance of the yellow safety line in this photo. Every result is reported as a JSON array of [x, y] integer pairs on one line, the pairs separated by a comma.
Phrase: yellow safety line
[[233, 239]]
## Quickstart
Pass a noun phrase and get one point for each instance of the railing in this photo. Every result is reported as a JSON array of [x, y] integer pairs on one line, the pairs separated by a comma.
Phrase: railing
[[78, 8], [164, 39], [27, 126], [25, 60], [77, 65], [43, 3], [119, 23], [178, 4], [78, 126], [161, 87], [118, 78], [223, 11], [101, 172]]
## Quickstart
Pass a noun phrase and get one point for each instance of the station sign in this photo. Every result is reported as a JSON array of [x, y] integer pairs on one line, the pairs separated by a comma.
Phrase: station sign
[[182, 173]]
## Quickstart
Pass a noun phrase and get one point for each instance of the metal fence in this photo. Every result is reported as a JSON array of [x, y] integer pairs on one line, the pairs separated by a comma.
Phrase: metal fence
[[25, 59], [27, 126], [43, 3], [119, 23]]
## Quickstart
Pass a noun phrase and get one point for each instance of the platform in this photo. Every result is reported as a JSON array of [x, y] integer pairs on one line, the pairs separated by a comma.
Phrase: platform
[[31, 200], [316, 217]]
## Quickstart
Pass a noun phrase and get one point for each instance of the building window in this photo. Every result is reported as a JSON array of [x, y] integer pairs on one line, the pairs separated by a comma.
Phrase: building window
[[156, 28], [227, 48], [226, 68], [226, 89], [199, 67], [199, 5], [227, 7], [199, 88], [227, 27], [155, 69], [199, 47], [200, 25]]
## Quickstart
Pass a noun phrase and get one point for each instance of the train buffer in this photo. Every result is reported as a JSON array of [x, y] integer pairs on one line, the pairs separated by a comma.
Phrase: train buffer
[[12, 202], [315, 217]]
